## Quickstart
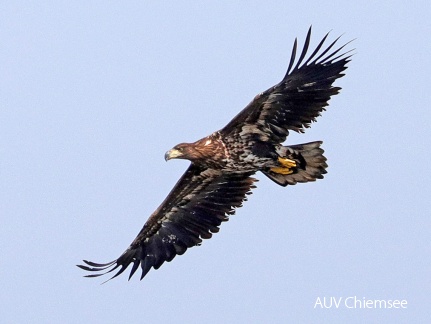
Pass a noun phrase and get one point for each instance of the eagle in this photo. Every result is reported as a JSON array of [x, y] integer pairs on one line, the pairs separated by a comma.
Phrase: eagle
[[220, 175]]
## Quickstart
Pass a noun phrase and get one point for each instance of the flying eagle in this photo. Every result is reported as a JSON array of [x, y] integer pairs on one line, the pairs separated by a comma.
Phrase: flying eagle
[[222, 164]]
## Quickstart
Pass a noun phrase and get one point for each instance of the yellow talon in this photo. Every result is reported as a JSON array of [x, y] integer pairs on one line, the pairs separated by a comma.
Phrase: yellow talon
[[281, 170], [288, 163], [286, 168]]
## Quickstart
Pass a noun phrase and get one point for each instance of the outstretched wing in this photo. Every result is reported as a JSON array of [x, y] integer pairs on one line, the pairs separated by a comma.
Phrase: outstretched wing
[[193, 210], [297, 100]]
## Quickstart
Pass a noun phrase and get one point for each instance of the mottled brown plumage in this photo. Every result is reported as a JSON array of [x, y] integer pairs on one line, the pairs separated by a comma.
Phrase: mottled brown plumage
[[220, 174]]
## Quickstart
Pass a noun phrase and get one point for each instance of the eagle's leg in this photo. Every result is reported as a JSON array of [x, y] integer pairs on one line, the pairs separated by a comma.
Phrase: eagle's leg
[[286, 167]]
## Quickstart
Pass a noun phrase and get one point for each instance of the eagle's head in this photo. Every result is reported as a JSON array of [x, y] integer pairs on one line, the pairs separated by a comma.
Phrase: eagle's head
[[177, 152], [203, 151], [182, 151]]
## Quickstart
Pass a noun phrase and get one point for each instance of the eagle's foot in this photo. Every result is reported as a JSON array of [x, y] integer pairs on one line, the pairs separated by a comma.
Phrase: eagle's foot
[[287, 166], [281, 170], [287, 163]]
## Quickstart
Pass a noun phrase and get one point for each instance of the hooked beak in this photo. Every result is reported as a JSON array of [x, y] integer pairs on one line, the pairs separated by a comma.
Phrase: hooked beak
[[172, 154]]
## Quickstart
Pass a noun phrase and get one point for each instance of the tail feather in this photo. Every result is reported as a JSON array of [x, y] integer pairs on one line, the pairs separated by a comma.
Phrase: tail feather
[[311, 164]]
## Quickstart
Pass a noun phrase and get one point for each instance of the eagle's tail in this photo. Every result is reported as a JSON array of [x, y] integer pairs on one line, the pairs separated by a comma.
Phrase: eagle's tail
[[308, 160]]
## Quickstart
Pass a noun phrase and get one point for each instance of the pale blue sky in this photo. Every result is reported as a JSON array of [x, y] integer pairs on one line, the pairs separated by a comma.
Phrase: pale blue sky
[[93, 93]]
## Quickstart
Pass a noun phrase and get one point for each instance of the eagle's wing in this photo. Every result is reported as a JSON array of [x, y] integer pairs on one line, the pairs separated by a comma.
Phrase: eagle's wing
[[297, 100], [193, 210]]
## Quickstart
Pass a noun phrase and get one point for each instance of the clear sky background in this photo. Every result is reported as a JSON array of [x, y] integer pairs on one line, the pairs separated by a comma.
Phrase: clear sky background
[[92, 94]]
